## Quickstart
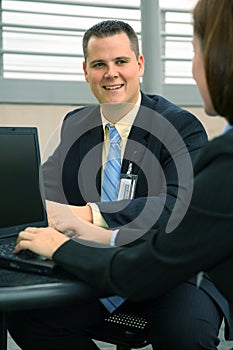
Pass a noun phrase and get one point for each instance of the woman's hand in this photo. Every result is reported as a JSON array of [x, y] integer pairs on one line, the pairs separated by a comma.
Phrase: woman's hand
[[43, 241]]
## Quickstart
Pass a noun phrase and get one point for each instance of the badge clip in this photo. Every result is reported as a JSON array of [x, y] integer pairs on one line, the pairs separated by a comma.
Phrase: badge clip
[[127, 184]]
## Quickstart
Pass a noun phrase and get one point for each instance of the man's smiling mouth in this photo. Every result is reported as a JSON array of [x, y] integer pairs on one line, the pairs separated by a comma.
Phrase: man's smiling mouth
[[113, 87]]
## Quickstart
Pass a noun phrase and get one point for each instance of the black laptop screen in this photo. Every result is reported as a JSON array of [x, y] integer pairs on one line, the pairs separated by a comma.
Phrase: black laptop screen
[[20, 193]]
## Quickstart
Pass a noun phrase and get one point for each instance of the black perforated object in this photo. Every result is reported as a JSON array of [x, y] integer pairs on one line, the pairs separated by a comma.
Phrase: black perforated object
[[125, 330]]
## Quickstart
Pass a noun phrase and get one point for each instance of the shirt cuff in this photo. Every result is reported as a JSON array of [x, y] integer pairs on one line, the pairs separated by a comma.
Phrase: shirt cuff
[[113, 238], [98, 219]]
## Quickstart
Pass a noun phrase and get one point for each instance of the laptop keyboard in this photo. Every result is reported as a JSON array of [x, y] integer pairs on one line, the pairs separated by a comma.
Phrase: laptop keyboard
[[7, 249]]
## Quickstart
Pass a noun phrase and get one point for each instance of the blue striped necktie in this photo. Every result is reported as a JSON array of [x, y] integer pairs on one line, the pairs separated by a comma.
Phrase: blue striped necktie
[[110, 186], [112, 168]]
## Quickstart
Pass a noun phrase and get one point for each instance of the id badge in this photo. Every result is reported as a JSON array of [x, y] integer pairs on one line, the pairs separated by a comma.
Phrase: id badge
[[127, 185]]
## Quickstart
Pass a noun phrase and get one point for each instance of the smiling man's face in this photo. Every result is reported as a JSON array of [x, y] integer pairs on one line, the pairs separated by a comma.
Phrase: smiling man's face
[[113, 70]]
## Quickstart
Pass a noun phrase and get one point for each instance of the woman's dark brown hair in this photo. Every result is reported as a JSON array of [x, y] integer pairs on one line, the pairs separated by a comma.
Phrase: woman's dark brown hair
[[213, 26]]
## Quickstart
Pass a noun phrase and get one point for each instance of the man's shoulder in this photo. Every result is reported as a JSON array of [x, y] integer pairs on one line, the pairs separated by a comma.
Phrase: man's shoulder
[[80, 121], [80, 112], [162, 105], [169, 110]]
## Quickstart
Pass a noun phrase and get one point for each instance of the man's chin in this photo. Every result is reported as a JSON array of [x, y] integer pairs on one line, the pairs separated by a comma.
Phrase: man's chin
[[114, 111]]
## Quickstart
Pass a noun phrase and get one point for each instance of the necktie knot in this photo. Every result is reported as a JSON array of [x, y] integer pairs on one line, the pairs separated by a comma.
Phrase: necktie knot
[[114, 136]]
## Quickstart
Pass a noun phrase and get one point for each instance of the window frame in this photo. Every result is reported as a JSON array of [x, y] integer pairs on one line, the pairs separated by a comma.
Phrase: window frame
[[25, 91]]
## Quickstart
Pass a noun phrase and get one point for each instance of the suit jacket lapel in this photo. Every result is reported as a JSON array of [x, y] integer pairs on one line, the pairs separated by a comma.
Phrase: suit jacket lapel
[[138, 137]]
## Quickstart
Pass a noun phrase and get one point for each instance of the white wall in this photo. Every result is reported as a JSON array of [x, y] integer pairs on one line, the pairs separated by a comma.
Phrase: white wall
[[46, 118], [213, 125]]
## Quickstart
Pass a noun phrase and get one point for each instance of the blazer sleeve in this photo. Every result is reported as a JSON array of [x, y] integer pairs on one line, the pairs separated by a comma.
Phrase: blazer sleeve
[[60, 170], [52, 174]]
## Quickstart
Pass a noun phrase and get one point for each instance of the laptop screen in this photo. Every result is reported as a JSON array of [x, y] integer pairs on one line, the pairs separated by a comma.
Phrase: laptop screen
[[21, 194]]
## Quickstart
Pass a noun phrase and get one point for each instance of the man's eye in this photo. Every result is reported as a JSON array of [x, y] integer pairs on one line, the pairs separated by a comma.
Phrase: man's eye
[[121, 62], [98, 65]]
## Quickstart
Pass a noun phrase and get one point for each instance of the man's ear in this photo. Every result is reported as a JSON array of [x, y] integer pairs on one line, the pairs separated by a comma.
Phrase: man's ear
[[85, 71], [141, 65]]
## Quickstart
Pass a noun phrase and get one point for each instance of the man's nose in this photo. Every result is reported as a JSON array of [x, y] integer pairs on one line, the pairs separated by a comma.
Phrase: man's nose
[[111, 71]]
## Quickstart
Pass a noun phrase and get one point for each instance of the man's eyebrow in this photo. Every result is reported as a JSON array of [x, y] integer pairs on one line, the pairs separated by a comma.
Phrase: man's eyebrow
[[123, 58], [97, 61]]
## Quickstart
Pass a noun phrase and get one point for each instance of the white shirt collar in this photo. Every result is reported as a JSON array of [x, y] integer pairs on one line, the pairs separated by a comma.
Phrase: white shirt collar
[[128, 119]]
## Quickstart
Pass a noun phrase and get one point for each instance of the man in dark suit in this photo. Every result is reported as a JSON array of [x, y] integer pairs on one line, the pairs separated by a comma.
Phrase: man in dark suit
[[72, 174], [160, 139]]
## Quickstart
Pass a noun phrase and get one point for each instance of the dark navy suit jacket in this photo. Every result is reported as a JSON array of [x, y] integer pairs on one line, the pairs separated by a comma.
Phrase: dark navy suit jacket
[[163, 138]]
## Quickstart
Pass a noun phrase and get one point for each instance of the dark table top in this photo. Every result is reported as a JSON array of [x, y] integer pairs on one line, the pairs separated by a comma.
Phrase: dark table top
[[23, 290]]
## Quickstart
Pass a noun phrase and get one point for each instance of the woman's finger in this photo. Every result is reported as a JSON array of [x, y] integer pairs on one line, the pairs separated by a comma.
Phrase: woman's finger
[[23, 244], [32, 229], [25, 235]]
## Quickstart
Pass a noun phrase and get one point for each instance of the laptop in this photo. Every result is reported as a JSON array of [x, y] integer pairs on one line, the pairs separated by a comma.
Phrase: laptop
[[22, 201]]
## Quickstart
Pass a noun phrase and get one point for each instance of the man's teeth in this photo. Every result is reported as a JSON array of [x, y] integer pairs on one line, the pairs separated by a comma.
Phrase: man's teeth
[[113, 87]]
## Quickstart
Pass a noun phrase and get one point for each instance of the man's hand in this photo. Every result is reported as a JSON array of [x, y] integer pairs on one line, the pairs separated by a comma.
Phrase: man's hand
[[62, 214], [66, 219]]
